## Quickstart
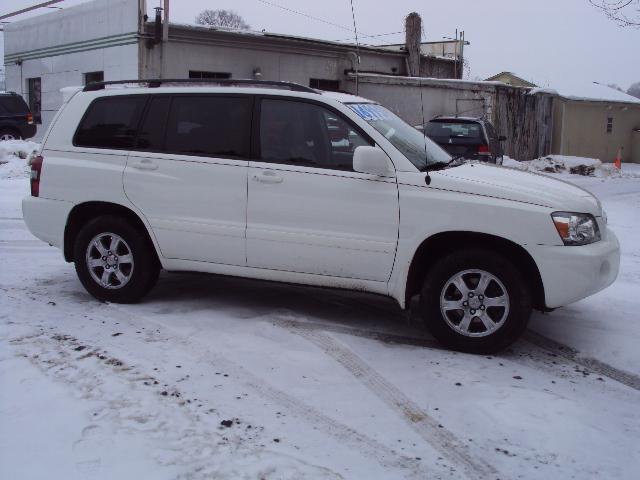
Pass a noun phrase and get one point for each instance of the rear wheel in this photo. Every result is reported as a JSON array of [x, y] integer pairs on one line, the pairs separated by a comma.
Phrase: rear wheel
[[475, 301], [9, 134], [114, 260]]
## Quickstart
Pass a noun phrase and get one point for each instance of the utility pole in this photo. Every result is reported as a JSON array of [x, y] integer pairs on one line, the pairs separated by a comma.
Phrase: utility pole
[[165, 24]]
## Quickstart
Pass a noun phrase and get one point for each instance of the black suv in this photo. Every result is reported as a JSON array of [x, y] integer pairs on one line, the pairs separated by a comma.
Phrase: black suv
[[467, 137], [16, 120]]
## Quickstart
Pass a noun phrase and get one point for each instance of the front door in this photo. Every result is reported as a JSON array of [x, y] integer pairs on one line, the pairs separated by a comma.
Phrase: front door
[[190, 178], [308, 211]]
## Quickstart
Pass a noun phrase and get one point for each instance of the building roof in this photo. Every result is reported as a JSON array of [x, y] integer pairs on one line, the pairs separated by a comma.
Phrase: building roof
[[589, 92], [512, 75], [330, 44]]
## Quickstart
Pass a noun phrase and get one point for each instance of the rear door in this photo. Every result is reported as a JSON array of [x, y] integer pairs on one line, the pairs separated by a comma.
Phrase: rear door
[[188, 175], [308, 211]]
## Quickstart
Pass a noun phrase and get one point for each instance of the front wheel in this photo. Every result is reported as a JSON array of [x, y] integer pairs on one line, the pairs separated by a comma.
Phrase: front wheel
[[475, 301], [114, 261]]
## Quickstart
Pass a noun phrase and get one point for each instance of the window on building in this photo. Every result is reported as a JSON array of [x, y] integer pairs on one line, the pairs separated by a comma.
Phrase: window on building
[[609, 124], [201, 74], [110, 122], [300, 133], [323, 84], [34, 92], [210, 126], [91, 77]]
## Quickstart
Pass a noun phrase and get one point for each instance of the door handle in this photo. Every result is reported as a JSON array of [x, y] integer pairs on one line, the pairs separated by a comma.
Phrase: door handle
[[267, 176], [144, 165]]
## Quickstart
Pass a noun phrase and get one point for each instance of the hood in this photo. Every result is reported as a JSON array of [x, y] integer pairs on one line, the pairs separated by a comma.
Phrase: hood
[[510, 184]]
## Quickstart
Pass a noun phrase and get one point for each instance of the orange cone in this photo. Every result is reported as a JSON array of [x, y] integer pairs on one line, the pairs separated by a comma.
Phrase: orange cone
[[618, 162]]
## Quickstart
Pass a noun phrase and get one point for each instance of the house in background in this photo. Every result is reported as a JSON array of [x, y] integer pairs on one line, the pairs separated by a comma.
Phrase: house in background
[[594, 120], [511, 79]]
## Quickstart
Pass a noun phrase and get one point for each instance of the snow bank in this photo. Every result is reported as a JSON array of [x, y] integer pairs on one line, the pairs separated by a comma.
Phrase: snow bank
[[15, 156], [565, 164]]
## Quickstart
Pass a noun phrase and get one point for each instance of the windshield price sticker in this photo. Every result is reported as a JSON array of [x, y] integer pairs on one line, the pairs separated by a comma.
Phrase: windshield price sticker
[[370, 111]]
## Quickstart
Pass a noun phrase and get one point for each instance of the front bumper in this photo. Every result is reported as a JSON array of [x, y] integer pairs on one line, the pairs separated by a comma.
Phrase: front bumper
[[571, 273], [46, 218]]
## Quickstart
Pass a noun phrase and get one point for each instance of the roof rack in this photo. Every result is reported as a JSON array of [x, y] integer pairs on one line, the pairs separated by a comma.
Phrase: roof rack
[[156, 82]]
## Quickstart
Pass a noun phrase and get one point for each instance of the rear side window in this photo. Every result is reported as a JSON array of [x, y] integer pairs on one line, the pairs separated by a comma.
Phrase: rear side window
[[454, 130], [110, 122], [210, 126], [13, 105]]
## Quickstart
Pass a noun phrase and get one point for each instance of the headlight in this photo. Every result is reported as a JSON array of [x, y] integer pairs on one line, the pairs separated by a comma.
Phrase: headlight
[[576, 228]]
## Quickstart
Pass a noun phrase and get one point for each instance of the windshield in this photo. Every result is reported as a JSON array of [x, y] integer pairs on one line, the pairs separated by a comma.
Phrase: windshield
[[403, 136]]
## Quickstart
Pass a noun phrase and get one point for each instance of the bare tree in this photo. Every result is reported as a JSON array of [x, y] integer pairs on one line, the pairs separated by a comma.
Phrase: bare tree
[[634, 90], [625, 13], [222, 18]]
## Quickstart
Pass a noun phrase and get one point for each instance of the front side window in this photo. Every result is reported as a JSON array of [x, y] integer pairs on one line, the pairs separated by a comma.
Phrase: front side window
[[217, 126], [300, 133], [110, 122], [419, 150]]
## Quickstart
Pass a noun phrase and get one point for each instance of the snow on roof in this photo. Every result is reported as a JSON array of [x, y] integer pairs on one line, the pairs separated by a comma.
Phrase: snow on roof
[[593, 92]]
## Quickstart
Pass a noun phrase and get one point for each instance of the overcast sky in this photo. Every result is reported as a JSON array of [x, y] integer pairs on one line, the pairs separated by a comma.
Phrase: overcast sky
[[553, 43]]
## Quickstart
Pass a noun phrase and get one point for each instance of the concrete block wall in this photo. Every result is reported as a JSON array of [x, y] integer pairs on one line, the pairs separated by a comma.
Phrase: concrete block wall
[[439, 97]]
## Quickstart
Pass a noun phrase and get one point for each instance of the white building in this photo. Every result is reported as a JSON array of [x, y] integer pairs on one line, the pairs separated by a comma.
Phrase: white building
[[114, 40]]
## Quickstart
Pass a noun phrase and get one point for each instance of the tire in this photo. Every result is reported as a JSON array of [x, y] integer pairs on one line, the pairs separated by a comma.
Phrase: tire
[[131, 269], [9, 134], [496, 312]]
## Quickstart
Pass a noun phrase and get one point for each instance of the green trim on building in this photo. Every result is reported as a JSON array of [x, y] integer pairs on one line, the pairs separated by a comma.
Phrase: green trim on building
[[74, 47]]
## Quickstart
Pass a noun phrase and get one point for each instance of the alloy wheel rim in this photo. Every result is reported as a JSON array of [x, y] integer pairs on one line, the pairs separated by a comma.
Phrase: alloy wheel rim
[[474, 303], [109, 260], [7, 136]]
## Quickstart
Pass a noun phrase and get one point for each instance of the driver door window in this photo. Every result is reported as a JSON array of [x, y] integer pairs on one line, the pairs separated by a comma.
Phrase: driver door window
[[300, 133]]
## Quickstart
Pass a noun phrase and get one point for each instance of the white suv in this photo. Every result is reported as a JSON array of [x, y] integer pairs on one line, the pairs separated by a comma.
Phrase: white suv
[[281, 182]]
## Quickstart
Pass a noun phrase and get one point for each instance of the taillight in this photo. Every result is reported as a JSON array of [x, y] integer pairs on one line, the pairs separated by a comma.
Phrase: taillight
[[30, 118], [36, 172], [484, 150]]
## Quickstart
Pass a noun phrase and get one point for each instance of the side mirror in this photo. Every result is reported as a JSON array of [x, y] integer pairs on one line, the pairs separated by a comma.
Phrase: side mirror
[[502, 138], [373, 161]]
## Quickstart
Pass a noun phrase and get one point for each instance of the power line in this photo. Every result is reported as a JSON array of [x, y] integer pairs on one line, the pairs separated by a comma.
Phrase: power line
[[290, 10], [370, 36]]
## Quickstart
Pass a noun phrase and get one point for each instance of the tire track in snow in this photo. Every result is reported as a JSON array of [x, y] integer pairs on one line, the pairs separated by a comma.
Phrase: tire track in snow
[[540, 342], [384, 455], [189, 441], [441, 439], [573, 355]]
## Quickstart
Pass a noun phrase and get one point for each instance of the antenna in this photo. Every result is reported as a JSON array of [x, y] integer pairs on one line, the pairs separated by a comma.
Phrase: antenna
[[355, 30], [427, 179]]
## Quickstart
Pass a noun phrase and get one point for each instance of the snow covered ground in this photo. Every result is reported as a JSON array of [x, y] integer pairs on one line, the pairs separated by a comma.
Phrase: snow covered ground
[[226, 378]]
